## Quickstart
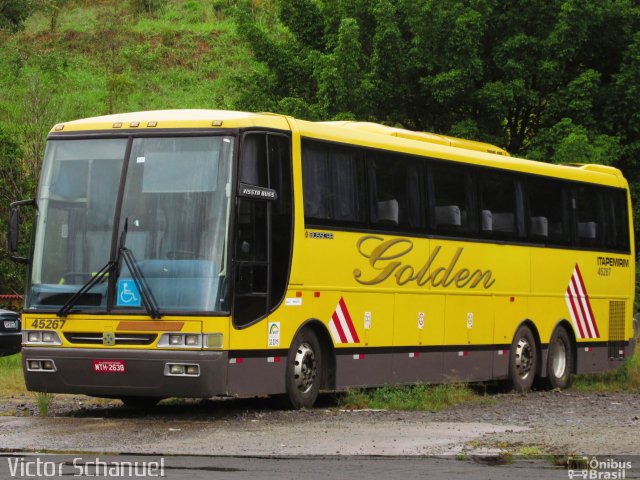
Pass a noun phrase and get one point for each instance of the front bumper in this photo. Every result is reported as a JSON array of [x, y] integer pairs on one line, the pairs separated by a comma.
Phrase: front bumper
[[144, 376], [10, 343]]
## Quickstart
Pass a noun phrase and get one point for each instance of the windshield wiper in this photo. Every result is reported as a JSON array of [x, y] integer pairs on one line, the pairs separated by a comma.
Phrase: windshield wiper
[[94, 280], [148, 300]]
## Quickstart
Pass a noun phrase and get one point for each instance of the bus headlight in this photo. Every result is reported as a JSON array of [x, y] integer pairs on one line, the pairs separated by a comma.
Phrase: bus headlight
[[180, 340], [34, 365], [34, 337], [48, 337], [40, 338], [181, 370]]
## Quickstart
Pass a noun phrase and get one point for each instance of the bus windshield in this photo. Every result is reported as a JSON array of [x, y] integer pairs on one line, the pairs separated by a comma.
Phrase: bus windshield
[[176, 203]]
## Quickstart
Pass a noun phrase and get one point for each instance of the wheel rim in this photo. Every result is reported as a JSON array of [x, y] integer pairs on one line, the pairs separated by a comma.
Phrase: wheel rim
[[524, 358], [304, 368], [559, 358]]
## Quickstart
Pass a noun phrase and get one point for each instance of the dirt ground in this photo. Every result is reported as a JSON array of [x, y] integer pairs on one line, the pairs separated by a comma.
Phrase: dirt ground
[[557, 423]]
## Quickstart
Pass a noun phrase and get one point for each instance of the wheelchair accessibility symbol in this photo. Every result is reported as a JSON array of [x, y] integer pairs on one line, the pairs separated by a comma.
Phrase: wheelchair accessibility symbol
[[128, 294]]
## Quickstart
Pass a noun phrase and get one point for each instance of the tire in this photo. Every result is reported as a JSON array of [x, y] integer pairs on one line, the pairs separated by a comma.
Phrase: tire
[[304, 370], [523, 360], [560, 360], [141, 403]]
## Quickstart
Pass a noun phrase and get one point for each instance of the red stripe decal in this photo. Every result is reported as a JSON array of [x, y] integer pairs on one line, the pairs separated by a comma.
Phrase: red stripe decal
[[577, 310], [586, 297], [347, 317], [573, 298], [336, 323]]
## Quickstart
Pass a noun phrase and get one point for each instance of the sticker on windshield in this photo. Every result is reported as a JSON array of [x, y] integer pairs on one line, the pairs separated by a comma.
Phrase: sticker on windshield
[[128, 294]]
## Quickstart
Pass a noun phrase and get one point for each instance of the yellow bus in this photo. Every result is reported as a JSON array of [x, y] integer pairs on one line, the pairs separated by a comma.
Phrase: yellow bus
[[200, 253]]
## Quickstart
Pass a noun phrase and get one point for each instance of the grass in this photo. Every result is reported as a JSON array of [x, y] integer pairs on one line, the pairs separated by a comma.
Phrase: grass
[[626, 378], [43, 400], [415, 397], [186, 55], [11, 378]]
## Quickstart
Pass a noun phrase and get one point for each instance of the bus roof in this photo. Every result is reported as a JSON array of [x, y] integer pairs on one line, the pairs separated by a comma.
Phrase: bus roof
[[350, 132], [164, 119], [428, 137]]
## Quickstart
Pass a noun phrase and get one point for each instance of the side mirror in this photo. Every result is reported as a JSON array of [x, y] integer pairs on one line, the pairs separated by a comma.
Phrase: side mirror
[[14, 229], [13, 235]]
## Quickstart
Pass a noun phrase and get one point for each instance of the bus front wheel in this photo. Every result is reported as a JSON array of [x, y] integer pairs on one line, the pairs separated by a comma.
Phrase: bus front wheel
[[523, 360], [560, 359], [304, 368]]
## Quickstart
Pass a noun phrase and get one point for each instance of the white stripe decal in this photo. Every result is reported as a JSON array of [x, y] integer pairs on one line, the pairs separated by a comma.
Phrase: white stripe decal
[[341, 325], [578, 309], [585, 307], [574, 319], [344, 324], [579, 306], [334, 332]]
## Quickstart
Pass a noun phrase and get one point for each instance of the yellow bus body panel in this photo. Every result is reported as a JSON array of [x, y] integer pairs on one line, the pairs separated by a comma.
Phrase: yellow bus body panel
[[398, 290]]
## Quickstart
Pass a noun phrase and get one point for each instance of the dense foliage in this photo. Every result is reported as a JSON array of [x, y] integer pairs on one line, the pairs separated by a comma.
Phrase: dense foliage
[[555, 80]]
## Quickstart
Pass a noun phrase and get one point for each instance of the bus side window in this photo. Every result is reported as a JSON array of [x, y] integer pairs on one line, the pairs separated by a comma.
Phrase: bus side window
[[548, 212], [450, 190], [500, 198], [394, 190], [589, 217], [333, 185], [618, 212]]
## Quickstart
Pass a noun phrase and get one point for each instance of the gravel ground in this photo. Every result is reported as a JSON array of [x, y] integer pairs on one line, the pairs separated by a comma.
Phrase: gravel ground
[[558, 423]]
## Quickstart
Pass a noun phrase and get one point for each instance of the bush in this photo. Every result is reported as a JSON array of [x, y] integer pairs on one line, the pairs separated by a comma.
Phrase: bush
[[146, 6], [13, 13]]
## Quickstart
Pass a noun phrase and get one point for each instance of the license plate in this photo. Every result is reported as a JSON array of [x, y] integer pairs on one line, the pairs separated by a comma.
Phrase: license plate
[[109, 366], [13, 324]]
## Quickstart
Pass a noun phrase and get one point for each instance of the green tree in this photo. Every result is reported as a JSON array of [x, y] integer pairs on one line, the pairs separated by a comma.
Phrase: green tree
[[11, 188], [52, 8], [13, 13], [503, 72]]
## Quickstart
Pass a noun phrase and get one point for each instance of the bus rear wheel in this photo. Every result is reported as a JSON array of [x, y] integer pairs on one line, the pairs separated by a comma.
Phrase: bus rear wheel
[[523, 360], [304, 370], [560, 363]]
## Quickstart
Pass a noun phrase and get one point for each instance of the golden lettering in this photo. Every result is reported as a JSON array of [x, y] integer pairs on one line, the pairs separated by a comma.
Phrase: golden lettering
[[379, 255], [434, 278], [445, 281], [423, 276], [385, 258], [401, 271], [479, 275], [461, 276]]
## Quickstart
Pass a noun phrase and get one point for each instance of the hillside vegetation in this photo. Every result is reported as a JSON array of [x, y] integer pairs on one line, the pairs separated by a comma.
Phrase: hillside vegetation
[[106, 57], [552, 80]]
